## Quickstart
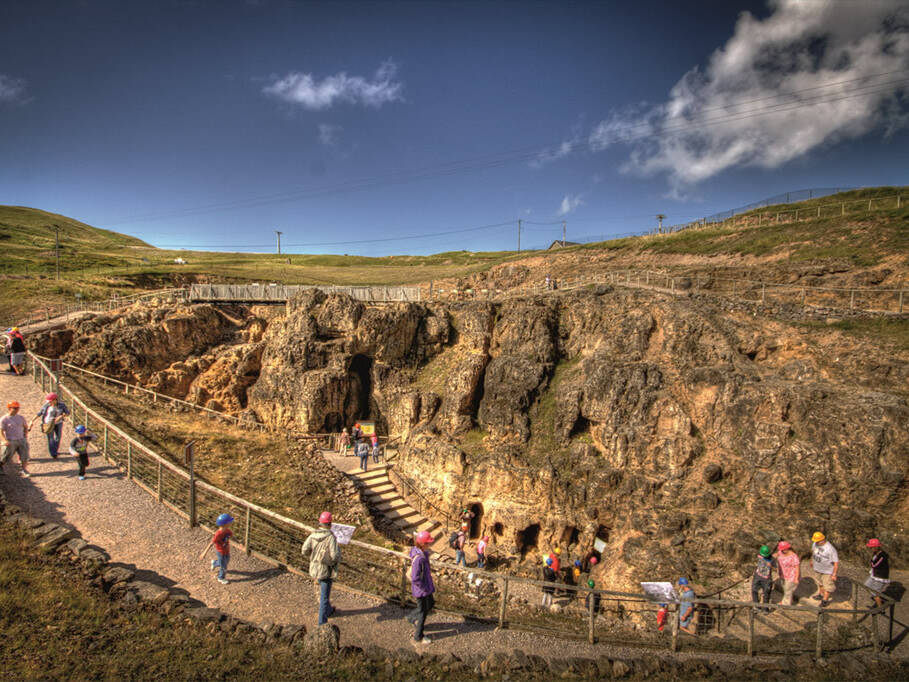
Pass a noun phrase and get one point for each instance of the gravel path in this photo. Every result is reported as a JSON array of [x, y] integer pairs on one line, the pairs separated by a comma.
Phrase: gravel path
[[109, 511]]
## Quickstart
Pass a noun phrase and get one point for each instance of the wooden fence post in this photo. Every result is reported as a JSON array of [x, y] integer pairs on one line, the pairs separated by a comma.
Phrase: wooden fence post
[[901, 300], [818, 211], [719, 615], [875, 637], [855, 599], [763, 293], [751, 631], [590, 617], [503, 602], [674, 643], [803, 296], [852, 300], [869, 204], [246, 540], [819, 646], [844, 209], [105, 444], [159, 480], [129, 460], [403, 582]]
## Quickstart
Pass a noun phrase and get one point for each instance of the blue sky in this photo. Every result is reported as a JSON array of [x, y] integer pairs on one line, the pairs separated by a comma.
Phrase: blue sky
[[214, 123]]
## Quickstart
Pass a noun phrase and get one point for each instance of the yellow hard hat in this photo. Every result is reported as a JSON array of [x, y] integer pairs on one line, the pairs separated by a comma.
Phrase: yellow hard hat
[[558, 551], [818, 537]]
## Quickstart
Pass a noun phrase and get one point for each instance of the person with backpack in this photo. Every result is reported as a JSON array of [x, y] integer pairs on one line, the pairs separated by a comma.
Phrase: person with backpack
[[323, 563], [374, 440], [17, 352], [52, 414], [421, 585], [762, 580], [460, 541], [221, 542], [549, 576], [78, 447]]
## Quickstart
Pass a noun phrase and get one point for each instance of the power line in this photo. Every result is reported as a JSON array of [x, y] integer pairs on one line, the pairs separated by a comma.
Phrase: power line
[[501, 158]]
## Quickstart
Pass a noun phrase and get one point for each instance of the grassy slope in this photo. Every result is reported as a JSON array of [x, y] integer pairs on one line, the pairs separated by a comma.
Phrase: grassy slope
[[98, 263]]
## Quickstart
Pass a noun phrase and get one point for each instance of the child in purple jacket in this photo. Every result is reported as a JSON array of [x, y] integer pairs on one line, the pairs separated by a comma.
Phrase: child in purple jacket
[[421, 585]]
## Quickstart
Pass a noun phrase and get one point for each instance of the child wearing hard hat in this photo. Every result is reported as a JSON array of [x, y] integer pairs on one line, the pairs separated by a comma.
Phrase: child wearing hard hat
[[221, 542], [549, 576], [78, 447], [762, 580]]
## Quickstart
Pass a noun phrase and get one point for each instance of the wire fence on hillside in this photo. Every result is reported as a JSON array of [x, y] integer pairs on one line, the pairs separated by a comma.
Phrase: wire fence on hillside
[[472, 592]]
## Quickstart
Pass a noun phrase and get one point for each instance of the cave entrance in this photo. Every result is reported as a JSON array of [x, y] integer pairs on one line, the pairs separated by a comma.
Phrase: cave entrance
[[569, 537], [361, 375], [476, 523], [334, 422], [497, 529], [526, 540]]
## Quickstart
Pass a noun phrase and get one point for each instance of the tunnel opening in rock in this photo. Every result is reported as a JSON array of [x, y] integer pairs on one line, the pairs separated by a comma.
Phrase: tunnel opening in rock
[[334, 422], [476, 523], [526, 540], [569, 537], [361, 375], [581, 426]]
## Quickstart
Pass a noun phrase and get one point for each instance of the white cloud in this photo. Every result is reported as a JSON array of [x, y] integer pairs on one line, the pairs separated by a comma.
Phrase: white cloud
[[328, 134], [569, 204], [11, 89], [549, 155], [821, 66], [316, 95]]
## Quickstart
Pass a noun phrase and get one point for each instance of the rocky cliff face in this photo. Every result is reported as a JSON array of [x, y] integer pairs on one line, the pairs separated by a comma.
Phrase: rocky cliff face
[[679, 435]]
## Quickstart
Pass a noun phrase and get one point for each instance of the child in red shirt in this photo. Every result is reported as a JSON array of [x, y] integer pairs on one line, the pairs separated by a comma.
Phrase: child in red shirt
[[221, 542]]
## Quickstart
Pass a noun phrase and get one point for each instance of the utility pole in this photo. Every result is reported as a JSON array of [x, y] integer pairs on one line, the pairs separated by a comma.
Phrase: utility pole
[[519, 234], [660, 217], [57, 248], [563, 233], [279, 241]]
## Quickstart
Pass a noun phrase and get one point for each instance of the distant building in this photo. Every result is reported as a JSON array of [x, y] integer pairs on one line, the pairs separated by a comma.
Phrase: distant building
[[558, 244], [179, 261]]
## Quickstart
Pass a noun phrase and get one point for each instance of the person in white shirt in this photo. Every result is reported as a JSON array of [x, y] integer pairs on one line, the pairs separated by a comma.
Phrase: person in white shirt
[[825, 562]]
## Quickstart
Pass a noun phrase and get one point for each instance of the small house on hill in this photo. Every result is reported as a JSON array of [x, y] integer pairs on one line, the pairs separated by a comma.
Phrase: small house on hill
[[558, 244]]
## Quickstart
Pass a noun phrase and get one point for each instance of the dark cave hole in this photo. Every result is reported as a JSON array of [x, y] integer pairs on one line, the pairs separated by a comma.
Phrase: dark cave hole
[[526, 540], [361, 368], [334, 422], [476, 523], [569, 537], [581, 425]]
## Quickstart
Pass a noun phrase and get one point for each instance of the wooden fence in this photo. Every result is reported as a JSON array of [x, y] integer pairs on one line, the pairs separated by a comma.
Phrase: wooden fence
[[382, 572], [279, 293]]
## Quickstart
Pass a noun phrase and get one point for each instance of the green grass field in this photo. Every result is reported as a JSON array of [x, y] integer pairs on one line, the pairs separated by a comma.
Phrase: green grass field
[[96, 264]]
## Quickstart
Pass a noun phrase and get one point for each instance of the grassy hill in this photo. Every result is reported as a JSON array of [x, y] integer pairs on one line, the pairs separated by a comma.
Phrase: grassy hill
[[97, 263]]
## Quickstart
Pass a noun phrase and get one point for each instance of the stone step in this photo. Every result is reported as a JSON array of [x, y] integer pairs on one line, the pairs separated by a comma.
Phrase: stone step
[[380, 488], [405, 515], [378, 472], [387, 496], [391, 505]]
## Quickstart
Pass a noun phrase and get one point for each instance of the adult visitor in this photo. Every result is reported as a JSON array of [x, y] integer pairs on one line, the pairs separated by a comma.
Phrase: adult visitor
[[686, 607], [789, 565], [323, 563], [824, 562], [14, 430], [362, 451], [879, 579], [421, 585], [17, 352], [52, 415]]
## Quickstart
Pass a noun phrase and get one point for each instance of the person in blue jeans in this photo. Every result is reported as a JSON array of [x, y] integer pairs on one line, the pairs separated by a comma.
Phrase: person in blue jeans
[[323, 563], [221, 541], [52, 414], [460, 542], [362, 451]]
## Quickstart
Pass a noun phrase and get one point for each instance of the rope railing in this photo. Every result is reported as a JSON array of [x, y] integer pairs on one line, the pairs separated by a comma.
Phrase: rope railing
[[380, 571]]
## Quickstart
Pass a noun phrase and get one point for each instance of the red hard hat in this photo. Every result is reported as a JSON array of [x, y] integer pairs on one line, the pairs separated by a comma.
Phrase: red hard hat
[[325, 517], [422, 538], [11, 404], [783, 546], [50, 396], [874, 542]]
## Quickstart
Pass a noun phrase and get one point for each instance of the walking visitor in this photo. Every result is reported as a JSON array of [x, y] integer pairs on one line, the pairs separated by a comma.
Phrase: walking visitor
[[662, 614], [762, 579], [549, 576], [221, 542], [52, 414], [14, 431], [824, 562], [78, 447], [421, 585], [879, 579], [481, 551], [362, 451], [789, 567], [686, 607], [460, 542], [375, 449], [325, 556], [17, 352], [343, 441]]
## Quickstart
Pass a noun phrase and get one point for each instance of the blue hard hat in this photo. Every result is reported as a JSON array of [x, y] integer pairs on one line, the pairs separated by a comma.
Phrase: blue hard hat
[[577, 562], [80, 429], [683, 581], [548, 561], [224, 519]]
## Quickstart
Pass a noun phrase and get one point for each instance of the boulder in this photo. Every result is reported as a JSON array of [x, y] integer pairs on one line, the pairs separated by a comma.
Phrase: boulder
[[324, 640]]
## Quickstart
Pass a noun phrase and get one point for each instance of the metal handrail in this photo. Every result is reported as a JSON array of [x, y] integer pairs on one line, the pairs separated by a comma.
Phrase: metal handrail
[[411, 486]]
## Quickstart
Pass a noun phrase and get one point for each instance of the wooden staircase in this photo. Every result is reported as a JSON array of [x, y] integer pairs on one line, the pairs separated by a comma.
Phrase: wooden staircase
[[382, 496]]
